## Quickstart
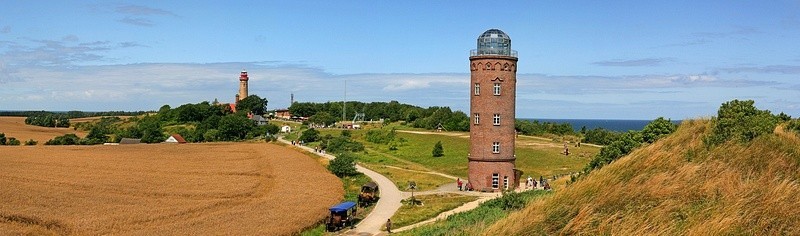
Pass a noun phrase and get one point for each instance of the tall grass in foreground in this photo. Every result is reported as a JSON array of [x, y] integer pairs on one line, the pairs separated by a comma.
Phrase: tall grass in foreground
[[678, 186], [475, 221]]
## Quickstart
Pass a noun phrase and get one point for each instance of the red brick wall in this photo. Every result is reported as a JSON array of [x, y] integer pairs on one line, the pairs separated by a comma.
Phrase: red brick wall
[[488, 70]]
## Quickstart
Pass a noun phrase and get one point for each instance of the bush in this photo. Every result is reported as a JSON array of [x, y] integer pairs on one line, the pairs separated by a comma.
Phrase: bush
[[656, 129], [67, 139], [340, 144], [31, 142], [740, 121], [309, 135], [618, 148], [12, 142], [343, 165], [438, 150], [379, 136], [600, 136], [793, 125], [2, 139]]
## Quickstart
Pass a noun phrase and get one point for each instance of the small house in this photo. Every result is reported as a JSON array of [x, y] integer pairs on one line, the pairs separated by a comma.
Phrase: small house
[[259, 120], [286, 129], [175, 138]]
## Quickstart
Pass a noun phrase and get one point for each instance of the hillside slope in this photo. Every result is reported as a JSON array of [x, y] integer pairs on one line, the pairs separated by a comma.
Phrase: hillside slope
[[677, 186]]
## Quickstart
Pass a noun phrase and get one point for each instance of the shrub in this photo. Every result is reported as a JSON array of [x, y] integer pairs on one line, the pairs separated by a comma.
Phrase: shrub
[[379, 136], [309, 135], [343, 165], [740, 121], [656, 129], [340, 144], [31, 142], [793, 125], [2, 139], [438, 150], [12, 142], [67, 139]]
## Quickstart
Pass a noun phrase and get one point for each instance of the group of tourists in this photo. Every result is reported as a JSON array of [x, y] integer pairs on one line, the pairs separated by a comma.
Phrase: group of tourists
[[462, 186], [298, 142], [532, 183], [319, 149]]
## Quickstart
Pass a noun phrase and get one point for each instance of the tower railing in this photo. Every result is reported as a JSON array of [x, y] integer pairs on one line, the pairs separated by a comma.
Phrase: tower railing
[[481, 52]]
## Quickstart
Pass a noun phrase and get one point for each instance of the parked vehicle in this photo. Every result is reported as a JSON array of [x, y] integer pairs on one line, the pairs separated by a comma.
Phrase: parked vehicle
[[342, 215], [369, 194]]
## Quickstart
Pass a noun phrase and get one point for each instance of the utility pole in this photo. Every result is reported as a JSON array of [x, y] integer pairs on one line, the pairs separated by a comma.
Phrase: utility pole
[[344, 104]]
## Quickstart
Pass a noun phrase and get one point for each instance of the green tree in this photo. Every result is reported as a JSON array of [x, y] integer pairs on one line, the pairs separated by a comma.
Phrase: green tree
[[2, 139], [303, 109], [343, 165], [96, 135], [234, 127], [211, 135], [323, 118], [309, 135], [252, 104], [150, 129], [657, 128], [438, 150]]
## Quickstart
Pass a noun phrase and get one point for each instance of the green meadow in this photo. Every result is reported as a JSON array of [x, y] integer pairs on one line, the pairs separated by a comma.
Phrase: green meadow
[[411, 158]]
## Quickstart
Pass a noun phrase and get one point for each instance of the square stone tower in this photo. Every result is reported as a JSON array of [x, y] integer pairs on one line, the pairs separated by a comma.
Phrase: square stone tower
[[493, 70]]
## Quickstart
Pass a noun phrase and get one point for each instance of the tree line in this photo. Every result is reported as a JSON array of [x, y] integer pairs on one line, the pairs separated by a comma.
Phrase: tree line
[[48, 120], [73, 114], [199, 122]]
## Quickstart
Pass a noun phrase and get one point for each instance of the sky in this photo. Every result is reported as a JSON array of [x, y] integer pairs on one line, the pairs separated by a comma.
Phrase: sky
[[577, 59]]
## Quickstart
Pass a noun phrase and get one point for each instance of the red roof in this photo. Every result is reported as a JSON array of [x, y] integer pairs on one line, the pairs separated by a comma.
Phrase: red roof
[[233, 107], [179, 138]]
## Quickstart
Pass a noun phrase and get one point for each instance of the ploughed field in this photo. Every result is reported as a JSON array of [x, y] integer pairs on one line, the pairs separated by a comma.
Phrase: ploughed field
[[156, 189]]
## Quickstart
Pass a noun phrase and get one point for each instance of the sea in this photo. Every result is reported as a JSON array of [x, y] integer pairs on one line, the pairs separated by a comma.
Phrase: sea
[[615, 125]]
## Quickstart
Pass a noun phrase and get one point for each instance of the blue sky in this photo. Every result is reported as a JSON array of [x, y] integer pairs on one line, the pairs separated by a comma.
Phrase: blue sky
[[585, 59]]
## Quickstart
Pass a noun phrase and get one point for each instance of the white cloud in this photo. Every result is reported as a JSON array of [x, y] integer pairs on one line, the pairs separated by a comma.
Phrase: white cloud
[[148, 86]]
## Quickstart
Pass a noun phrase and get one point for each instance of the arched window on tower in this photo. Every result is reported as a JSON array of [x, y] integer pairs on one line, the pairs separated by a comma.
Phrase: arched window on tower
[[497, 89]]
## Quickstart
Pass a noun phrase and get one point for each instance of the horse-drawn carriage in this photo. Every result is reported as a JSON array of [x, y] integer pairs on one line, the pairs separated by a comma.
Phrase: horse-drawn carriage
[[369, 194], [342, 215]]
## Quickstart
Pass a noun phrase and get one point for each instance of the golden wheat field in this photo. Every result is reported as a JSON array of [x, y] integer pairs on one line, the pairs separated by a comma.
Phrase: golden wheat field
[[162, 189], [16, 127]]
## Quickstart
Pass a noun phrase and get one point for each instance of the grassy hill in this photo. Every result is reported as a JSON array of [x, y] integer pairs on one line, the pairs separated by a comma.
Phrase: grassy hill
[[678, 186]]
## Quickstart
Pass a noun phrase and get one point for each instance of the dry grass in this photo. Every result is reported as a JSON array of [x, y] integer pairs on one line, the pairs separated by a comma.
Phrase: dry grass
[[16, 127], [678, 187], [93, 118], [157, 189]]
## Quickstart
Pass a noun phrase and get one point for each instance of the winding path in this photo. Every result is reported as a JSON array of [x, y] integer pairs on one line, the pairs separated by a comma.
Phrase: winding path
[[390, 198], [388, 203]]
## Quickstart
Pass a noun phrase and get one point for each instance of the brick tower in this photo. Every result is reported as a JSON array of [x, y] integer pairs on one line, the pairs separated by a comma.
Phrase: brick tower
[[242, 86], [493, 81]]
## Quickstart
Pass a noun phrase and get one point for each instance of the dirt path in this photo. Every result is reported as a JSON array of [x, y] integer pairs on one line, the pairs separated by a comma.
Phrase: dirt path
[[424, 172], [388, 203], [466, 207]]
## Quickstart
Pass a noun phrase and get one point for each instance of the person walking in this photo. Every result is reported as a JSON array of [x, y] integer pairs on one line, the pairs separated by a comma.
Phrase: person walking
[[389, 226], [458, 181]]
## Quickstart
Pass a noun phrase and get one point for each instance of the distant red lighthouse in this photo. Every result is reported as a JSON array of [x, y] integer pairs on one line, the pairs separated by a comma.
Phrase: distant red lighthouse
[[242, 85]]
